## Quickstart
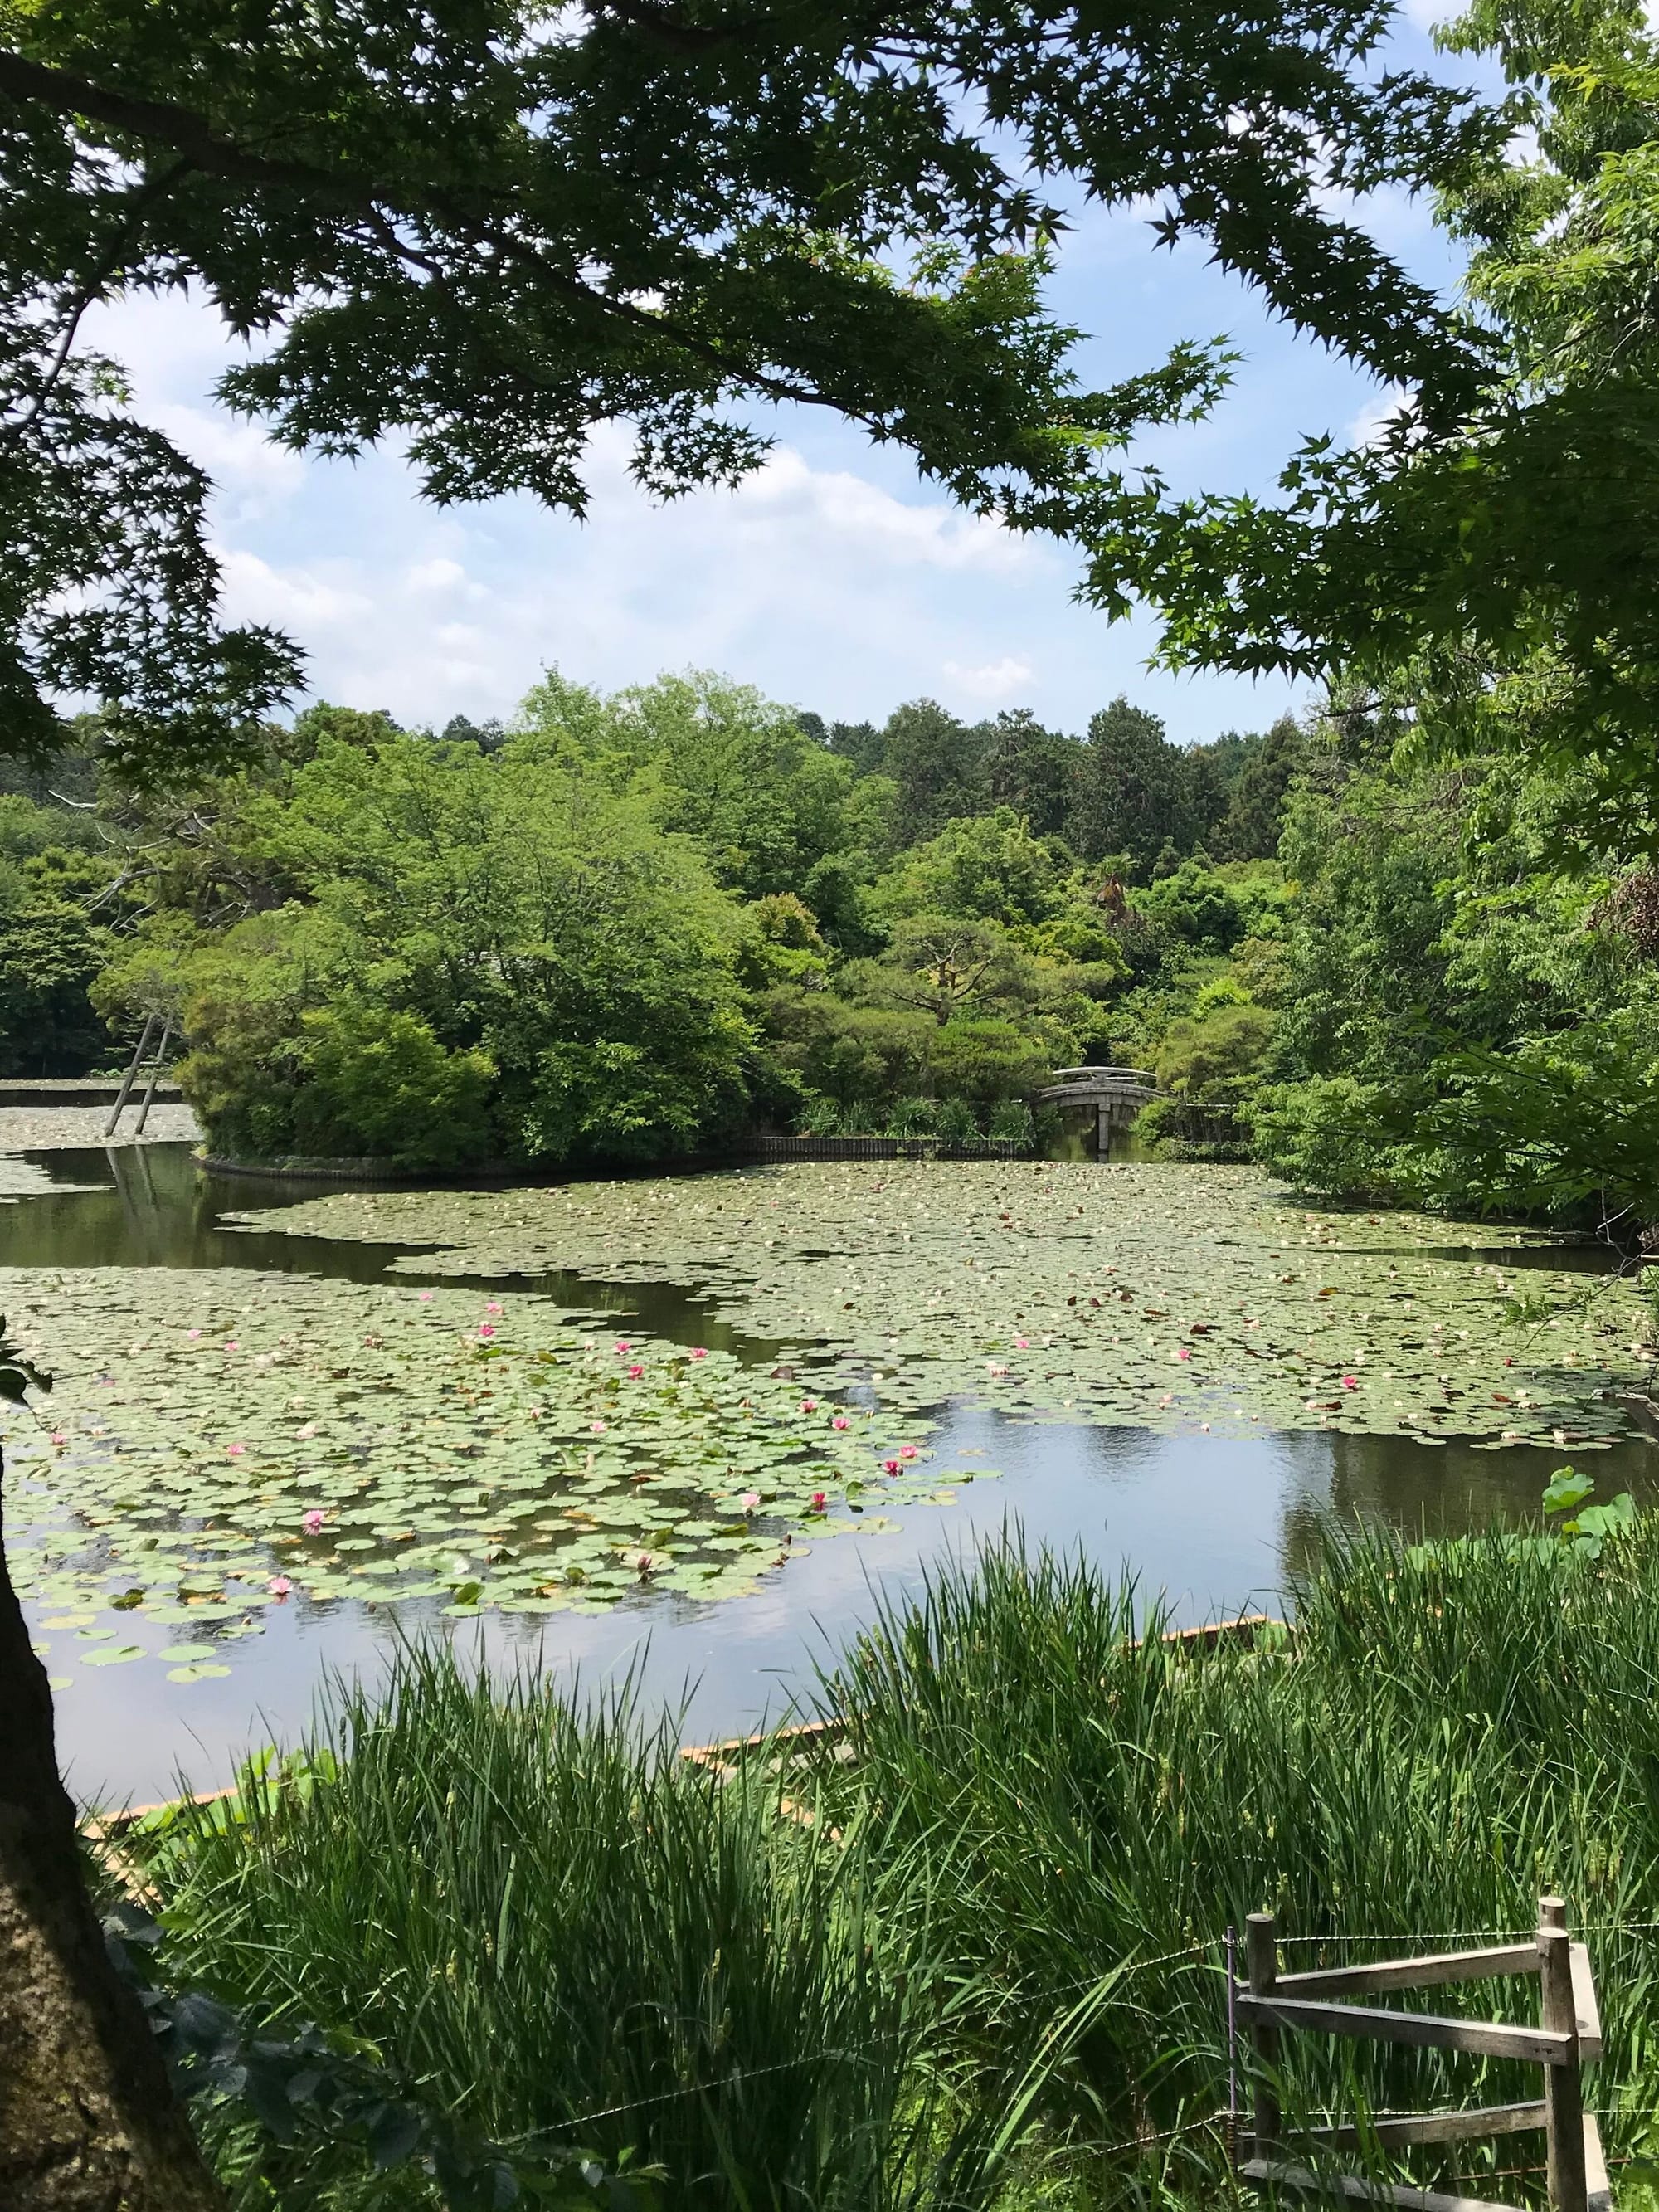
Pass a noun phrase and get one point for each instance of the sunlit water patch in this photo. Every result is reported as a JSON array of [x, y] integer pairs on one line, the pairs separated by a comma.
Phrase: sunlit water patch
[[271, 1453]]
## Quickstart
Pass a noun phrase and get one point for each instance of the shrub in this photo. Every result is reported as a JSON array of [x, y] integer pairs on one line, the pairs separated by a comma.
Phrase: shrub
[[1013, 1123], [380, 1083], [1214, 1056], [1335, 1136], [956, 1123]]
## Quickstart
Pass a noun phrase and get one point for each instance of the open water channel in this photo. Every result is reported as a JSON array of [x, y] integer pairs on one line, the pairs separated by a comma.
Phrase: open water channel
[[1213, 1514]]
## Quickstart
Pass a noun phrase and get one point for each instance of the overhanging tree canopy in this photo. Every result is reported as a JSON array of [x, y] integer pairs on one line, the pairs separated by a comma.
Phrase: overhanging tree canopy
[[491, 226]]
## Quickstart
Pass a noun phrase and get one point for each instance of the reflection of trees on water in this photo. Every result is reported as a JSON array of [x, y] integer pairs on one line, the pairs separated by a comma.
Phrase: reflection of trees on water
[[1434, 1489]]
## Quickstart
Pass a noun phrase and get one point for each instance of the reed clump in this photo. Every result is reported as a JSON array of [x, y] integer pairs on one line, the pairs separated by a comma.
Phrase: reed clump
[[981, 1960]]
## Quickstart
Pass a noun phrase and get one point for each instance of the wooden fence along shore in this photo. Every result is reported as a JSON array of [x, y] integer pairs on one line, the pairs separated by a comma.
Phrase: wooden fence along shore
[[1266, 2004], [1569, 2035]]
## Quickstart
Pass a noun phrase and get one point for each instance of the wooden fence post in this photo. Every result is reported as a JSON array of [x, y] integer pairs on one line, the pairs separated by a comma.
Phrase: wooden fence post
[[1261, 1966], [1563, 2090]]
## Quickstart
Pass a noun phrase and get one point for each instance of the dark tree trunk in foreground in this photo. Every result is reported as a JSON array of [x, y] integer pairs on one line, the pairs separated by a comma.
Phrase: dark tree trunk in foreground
[[89, 2122]]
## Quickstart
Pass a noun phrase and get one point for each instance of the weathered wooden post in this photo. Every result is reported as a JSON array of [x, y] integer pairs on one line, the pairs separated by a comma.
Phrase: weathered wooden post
[[156, 1067], [1261, 1968], [1564, 2087], [138, 1052]]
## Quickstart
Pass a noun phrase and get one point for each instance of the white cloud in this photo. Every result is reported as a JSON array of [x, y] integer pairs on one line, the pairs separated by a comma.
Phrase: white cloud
[[787, 490], [1375, 417], [997, 679], [250, 474], [834, 577], [297, 599]]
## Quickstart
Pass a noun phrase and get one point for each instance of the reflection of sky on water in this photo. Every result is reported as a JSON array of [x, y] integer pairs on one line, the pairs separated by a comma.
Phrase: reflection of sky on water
[[1212, 1521]]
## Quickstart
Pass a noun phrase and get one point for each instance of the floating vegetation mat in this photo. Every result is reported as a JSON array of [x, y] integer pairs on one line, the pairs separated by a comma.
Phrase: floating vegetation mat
[[1167, 1298], [220, 1442], [217, 1443]]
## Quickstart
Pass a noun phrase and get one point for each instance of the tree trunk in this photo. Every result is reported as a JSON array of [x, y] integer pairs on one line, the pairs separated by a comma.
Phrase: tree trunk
[[89, 2122]]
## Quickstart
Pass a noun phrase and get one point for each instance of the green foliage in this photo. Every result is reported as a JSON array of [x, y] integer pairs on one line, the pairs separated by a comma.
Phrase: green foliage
[[380, 1078], [1038, 1777], [1335, 1133], [987, 867], [1250, 830], [1194, 903], [1215, 1057], [1586, 1528], [50, 952], [494, 955], [1012, 1122], [1462, 1017], [1134, 789], [616, 1952], [736, 772], [658, 915], [1040, 1788], [936, 765], [435, 222]]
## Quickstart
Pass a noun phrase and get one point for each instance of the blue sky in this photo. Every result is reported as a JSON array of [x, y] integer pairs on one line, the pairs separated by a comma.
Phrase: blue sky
[[835, 580]]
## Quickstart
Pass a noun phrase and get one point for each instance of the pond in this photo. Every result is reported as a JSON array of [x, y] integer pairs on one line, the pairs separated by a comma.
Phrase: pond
[[693, 1426]]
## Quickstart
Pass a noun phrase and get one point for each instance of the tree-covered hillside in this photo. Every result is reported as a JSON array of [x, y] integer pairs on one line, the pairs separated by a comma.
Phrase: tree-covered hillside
[[627, 926]]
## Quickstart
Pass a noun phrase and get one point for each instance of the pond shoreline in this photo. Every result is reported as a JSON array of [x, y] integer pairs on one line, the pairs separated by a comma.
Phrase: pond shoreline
[[1217, 1520]]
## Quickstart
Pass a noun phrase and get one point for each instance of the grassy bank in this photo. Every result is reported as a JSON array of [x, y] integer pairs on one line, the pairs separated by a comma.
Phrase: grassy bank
[[988, 1967]]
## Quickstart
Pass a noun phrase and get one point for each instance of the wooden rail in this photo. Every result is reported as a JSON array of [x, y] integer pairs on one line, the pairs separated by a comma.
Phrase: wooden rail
[[724, 1757], [1568, 2034]]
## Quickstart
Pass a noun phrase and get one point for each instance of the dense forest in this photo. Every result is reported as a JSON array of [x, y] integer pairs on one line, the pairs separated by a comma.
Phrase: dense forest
[[631, 925], [634, 926]]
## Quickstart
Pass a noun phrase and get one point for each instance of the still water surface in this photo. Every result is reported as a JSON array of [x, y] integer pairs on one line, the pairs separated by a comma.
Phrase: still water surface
[[1214, 1522]]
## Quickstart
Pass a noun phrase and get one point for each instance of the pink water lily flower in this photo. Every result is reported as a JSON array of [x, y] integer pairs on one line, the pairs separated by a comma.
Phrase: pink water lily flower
[[808, 1405], [907, 1451], [623, 1347], [598, 1428], [235, 1451], [1021, 1344], [486, 1330], [817, 1501], [58, 1437], [1185, 1352], [634, 1372], [426, 1297], [231, 1345], [840, 1421], [279, 1586], [311, 1522], [1350, 1381], [890, 1467], [699, 1352], [492, 1305], [194, 1334], [750, 1500]]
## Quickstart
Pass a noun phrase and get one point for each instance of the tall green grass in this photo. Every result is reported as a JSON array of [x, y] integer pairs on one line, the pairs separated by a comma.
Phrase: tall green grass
[[546, 1921], [1447, 1734], [993, 1964]]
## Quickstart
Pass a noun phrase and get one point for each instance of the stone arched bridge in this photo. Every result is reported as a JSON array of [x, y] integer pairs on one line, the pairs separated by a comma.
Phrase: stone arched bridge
[[1116, 1094]]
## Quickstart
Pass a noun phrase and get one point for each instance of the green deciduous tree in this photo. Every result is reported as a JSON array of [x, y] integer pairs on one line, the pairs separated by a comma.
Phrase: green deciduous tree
[[428, 218], [735, 771]]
